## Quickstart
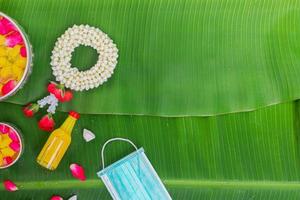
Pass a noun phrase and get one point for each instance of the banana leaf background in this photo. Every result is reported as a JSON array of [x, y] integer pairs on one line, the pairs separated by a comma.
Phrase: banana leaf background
[[209, 88]]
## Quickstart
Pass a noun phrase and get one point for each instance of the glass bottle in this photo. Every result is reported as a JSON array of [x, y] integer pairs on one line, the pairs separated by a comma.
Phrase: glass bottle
[[58, 143]]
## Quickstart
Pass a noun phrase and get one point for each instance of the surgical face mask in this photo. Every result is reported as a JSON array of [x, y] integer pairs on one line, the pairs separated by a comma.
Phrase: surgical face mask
[[132, 177]]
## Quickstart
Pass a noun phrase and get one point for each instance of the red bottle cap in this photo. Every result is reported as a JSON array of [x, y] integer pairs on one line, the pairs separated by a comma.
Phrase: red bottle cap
[[74, 114]]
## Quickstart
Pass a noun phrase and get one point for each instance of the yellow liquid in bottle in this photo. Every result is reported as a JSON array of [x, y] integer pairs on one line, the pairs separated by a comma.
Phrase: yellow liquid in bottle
[[57, 145]]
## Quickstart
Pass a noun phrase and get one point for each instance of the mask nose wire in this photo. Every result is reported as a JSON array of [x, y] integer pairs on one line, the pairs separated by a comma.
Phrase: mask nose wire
[[112, 140]]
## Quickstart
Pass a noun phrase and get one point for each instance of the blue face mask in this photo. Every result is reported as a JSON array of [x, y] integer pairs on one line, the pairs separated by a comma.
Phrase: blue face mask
[[132, 177]]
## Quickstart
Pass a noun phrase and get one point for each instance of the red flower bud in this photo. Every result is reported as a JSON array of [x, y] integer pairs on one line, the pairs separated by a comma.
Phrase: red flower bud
[[51, 87], [67, 96], [58, 90], [47, 123], [30, 109]]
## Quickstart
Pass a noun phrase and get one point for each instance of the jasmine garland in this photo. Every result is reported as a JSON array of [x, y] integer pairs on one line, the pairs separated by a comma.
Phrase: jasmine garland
[[61, 57]]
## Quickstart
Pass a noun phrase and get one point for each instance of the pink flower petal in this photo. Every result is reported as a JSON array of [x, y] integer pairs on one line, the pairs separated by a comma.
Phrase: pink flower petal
[[10, 186], [15, 146], [13, 136], [56, 197], [23, 52], [3, 30], [4, 129], [8, 87], [14, 39], [77, 172], [6, 26]]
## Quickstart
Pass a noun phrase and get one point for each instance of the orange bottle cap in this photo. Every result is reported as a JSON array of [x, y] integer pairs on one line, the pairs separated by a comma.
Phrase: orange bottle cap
[[74, 114]]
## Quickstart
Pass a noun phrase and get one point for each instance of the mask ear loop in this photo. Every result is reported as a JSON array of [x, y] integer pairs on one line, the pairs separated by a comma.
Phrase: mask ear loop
[[112, 140]]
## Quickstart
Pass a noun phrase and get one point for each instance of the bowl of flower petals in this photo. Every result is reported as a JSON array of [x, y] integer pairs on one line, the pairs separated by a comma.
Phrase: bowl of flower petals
[[15, 57], [11, 146]]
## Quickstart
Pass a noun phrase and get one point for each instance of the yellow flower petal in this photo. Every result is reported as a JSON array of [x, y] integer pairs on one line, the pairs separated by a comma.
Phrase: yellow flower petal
[[6, 73], [7, 152], [3, 51], [1, 85], [1, 159], [21, 62], [2, 40], [13, 53], [4, 62], [5, 141], [18, 72]]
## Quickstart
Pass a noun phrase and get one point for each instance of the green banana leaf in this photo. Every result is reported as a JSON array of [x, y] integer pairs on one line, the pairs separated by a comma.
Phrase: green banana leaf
[[189, 59], [177, 57], [253, 155]]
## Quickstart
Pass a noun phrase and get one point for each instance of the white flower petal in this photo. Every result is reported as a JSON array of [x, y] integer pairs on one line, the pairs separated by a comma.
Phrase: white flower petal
[[74, 197], [88, 135]]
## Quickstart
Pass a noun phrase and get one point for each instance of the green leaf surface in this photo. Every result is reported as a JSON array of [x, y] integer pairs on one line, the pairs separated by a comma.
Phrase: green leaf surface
[[253, 155], [177, 57]]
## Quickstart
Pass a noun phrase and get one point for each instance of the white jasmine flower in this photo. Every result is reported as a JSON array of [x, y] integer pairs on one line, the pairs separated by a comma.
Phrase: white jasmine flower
[[62, 55]]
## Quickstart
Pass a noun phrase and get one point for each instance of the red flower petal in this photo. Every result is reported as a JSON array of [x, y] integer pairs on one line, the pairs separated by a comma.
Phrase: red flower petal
[[23, 52], [77, 171], [10, 186], [7, 160]]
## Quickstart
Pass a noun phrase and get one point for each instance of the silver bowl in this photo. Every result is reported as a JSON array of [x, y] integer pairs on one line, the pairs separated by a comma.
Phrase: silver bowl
[[28, 67], [12, 127]]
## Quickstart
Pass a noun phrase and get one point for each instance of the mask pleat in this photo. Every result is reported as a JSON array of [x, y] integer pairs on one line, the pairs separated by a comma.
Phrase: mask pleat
[[150, 179], [118, 180], [140, 192], [110, 187]]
